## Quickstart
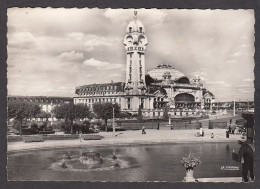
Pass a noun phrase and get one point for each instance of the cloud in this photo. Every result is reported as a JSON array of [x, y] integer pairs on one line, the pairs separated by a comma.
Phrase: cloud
[[148, 16], [116, 75], [216, 82], [118, 15], [101, 64], [244, 91], [236, 54], [231, 61], [226, 85], [94, 41], [201, 74], [72, 55], [245, 85], [22, 40], [248, 79], [195, 39], [245, 45]]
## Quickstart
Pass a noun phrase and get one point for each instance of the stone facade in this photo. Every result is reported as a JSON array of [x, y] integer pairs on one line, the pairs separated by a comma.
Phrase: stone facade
[[151, 91]]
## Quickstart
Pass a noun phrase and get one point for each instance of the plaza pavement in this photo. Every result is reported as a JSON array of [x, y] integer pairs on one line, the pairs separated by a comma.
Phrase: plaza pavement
[[131, 138]]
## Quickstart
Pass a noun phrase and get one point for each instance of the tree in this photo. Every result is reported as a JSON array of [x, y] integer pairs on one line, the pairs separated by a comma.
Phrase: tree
[[166, 112], [42, 114], [105, 111], [139, 115], [22, 110], [70, 112]]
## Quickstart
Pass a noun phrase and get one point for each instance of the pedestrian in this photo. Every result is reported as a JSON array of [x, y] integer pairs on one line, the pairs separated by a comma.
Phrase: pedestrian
[[212, 135], [143, 130], [227, 134], [229, 128], [201, 131], [233, 129], [80, 136]]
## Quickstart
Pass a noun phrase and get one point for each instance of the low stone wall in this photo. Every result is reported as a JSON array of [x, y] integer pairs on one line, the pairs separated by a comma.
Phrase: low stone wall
[[217, 124], [136, 125], [186, 126], [17, 138]]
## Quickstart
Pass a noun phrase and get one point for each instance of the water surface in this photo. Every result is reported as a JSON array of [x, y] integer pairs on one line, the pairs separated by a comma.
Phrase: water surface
[[134, 163]]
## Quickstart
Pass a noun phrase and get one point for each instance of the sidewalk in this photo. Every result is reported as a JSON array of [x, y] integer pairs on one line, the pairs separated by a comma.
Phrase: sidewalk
[[131, 138]]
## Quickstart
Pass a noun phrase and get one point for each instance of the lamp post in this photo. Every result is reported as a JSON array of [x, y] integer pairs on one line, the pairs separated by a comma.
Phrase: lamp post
[[234, 109], [51, 114], [113, 106]]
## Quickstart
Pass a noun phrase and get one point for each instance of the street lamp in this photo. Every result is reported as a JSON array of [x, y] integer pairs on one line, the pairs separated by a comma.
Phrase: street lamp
[[51, 114], [113, 106], [234, 108]]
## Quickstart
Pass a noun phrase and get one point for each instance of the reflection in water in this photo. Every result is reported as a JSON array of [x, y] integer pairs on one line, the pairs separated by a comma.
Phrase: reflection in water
[[131, 163], [227, 147], [90, 161]]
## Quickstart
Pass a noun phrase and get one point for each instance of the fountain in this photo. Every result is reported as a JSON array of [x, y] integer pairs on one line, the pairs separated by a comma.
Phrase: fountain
[[91, 158], [63, 162], [90, 161]]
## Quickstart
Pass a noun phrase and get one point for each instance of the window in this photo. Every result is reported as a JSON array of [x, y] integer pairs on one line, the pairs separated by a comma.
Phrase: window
[[128, 103], [130, 29], [142, 103], [141, 29]]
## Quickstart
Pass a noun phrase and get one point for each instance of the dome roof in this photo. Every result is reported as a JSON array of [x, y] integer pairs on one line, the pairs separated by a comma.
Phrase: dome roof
[[166, 71], [135, 25]]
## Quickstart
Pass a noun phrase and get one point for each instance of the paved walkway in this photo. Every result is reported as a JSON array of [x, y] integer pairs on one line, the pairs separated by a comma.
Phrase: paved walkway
[[131, 138], [222, 179]]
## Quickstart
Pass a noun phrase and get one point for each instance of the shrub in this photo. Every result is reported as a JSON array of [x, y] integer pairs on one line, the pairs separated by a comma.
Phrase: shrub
[[76, 128], [210, 125], [16, 124], [124, 115], [34, 128], [66, 128], [134, 115], [57, 125]]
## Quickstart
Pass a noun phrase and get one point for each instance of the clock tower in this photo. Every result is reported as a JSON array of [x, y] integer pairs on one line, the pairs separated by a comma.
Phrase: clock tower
[[135, 42]]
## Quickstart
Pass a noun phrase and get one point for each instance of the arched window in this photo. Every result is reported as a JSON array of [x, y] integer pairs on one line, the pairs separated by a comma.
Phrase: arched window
[[141, 29], [183, 80], [184, 97], [130, 29]]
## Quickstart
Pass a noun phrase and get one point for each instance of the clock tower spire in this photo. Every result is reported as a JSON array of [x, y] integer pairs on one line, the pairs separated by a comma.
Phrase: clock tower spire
[[135, 42]]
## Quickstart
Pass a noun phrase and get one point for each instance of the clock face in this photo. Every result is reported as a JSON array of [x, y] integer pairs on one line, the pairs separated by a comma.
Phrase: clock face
[[129, 41], [142, 41]]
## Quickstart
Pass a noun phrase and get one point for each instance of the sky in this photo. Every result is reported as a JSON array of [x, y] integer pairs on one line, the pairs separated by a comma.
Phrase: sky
[[51, 51]]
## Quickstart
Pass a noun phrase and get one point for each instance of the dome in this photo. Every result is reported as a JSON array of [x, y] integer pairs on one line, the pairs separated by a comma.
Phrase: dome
[[135, 25], [164, 71]]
